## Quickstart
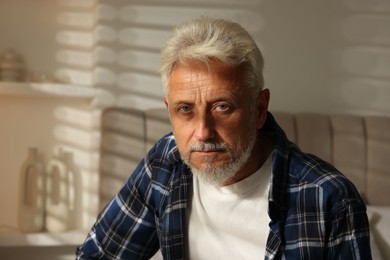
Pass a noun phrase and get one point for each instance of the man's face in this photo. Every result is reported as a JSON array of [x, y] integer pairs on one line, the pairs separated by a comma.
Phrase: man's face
[[214, 119]]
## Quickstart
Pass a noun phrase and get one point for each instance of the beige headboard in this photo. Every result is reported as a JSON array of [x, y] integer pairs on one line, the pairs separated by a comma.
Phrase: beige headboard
[[359, 146]]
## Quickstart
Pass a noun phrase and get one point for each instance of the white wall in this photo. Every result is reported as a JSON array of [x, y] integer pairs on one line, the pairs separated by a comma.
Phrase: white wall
[[29, 27], [39, 32], [331, 56], [320, 56]]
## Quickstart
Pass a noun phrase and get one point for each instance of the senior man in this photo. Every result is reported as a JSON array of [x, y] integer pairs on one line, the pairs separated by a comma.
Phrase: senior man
[[227, 184]]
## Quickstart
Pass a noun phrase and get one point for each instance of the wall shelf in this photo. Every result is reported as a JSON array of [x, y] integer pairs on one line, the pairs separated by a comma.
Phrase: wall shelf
[[47, 89], [47, 116]]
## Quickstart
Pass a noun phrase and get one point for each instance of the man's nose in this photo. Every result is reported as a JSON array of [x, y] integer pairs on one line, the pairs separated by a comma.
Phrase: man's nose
[[204, 128]]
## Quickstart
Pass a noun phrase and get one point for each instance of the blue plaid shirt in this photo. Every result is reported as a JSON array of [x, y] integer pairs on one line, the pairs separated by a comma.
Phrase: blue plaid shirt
[[316, 213]]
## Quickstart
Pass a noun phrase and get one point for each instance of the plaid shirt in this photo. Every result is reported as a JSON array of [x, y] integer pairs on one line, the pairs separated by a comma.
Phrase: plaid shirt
[[316, 213]]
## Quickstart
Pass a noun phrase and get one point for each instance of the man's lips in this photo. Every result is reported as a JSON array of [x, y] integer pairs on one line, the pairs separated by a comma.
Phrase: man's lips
[[208, 152]]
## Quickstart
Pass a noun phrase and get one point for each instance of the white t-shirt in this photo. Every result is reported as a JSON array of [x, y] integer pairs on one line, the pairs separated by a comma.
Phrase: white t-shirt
[[230, 222]]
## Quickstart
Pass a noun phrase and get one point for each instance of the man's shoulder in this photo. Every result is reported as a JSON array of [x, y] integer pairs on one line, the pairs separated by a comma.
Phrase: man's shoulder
[[163, 159], [311, 172], [161, 167], [297, 171], [164, 149], [309, 168]]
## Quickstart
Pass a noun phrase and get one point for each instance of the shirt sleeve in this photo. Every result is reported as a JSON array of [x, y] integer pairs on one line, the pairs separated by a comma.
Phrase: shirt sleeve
[[349, 232], [126, 228]]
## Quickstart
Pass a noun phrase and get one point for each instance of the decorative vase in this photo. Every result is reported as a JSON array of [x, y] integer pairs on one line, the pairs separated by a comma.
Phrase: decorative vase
[[74, 186], [57, 194], [31, 208]]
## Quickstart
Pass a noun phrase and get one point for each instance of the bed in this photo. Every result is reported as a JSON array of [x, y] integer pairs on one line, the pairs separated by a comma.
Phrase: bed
[[359, 146]]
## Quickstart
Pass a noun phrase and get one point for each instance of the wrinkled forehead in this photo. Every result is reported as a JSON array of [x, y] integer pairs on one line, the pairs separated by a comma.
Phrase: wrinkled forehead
[[212, 68]]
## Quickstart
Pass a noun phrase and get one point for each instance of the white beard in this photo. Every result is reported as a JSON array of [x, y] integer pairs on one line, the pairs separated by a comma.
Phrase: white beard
[[218, 175]]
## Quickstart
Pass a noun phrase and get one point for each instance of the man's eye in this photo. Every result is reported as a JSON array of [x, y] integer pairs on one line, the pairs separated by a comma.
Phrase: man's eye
[[222, 107], [185, 109]]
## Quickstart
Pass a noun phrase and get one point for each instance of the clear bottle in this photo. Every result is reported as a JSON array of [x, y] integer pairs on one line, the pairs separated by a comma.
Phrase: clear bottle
[[31, 208]]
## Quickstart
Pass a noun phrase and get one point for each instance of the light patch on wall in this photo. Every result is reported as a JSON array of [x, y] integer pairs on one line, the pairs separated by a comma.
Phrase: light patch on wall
[[363, 65], [85, 159], [119, 144], [75, 76], [143, 37], [124, 39], [104, 98], [78, 3], [75, 58], [90, 181], [115, 169], [104, 33], [143, 103], [84, 139], [117, 121], [133, 35], [77, 19], [141, 83], [232, 3], [140, 60], [103, 54], [106, 12], [64, 89], [367, 28], [368, 61], [76, 117], [371, 6], [104, 76], [76, 39], [90, 187], [171, 16], [367, 95], [78, 58]]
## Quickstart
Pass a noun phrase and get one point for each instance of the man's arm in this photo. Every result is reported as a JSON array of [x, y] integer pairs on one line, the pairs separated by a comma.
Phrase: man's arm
[[125, 229], [349, 232]]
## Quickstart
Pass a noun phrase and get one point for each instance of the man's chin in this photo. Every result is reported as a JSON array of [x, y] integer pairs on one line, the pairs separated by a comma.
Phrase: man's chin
[[212, 175], [209, 162]]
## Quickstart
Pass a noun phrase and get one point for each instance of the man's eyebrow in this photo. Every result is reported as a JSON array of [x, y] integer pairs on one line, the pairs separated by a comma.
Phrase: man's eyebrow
[[182, 101], [226, 98], [229, 99]]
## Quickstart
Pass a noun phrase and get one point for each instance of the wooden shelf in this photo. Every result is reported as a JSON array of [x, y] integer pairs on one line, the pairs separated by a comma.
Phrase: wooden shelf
[[46, 89]]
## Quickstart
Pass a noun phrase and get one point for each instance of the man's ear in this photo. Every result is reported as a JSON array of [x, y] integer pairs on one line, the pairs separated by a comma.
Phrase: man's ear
[[166, 103], [262, 102]]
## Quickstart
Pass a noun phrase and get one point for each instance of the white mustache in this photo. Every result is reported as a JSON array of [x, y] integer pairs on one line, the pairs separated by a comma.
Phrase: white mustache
[[202, 147]]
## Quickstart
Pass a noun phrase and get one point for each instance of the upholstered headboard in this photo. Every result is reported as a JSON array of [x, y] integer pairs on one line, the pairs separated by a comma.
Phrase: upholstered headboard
[[359, 146]]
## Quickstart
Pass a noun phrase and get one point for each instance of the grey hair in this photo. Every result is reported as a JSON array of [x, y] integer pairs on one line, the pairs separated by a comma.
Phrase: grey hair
[[206, 38]]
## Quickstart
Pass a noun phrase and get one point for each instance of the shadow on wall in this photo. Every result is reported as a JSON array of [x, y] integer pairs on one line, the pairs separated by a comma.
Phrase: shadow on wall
[[77, 132], [364, 63], [114, 46], [77, 128], [127, 134], [117, 46], [122, 148]]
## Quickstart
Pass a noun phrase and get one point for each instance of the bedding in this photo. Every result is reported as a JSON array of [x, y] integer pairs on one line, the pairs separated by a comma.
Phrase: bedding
[[379, 218]]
